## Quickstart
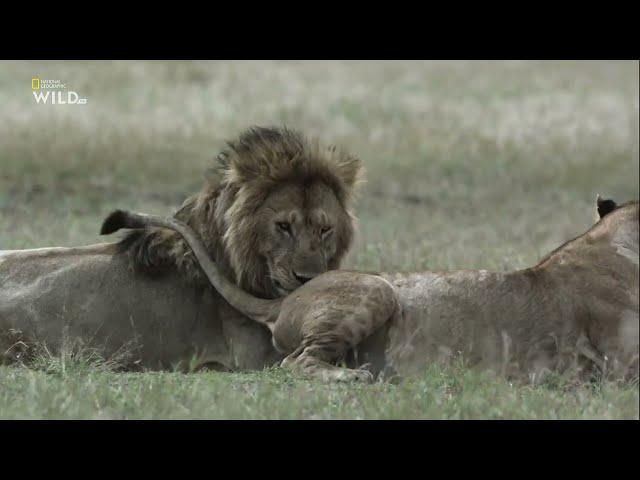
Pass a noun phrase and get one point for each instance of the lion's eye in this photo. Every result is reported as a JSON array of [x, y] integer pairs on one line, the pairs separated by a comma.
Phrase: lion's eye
[[284, 226], [325, 231]]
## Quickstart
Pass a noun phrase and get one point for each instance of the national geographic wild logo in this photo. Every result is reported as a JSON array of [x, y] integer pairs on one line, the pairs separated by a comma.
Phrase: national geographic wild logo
[[54, 92]]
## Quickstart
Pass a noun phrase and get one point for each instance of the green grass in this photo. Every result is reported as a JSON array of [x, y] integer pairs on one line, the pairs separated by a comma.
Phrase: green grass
[[470, 165], [79, 390]]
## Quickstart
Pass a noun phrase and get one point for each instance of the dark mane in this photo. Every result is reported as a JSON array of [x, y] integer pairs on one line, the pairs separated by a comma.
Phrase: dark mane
[[242, 177]]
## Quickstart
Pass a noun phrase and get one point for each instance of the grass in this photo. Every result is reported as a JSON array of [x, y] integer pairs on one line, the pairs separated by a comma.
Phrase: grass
[[470, 165], [80, 389]]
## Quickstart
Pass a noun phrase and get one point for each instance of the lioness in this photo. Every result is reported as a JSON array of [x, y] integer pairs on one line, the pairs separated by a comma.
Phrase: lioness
[[577, 307], [273, 213]]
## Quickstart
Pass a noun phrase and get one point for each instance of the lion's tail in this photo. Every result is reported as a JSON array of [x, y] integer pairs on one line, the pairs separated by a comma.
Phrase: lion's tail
[[261, 310]]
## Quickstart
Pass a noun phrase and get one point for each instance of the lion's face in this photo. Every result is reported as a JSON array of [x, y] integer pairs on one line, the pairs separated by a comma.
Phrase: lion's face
[[273, 213], [300, 231]]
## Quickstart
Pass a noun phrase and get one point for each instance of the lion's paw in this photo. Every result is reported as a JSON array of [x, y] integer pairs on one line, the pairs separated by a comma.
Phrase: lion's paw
[[349, 375]]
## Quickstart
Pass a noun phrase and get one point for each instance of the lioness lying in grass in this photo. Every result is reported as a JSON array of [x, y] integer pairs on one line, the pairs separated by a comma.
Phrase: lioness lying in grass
[[578, 307]]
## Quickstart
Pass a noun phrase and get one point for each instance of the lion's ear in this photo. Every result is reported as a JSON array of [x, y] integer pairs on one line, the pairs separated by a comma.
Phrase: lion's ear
[[605, 206]]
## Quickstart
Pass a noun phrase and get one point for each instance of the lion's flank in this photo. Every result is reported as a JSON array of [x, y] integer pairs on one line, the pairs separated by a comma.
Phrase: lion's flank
[[242, 177]]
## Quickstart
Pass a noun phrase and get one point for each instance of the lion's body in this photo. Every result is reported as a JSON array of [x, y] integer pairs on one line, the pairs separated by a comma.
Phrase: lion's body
[[51, 296], [527, 322], [146, 294]]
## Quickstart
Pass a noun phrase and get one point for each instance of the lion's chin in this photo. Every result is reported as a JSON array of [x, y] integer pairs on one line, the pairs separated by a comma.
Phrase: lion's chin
[[282, 292], [281, 289]]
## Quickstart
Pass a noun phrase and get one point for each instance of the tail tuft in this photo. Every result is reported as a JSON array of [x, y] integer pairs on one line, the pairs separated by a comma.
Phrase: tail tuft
[[116, 220]]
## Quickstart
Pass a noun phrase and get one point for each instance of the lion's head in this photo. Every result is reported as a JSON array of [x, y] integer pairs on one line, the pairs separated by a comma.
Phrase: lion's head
[[274, 212]]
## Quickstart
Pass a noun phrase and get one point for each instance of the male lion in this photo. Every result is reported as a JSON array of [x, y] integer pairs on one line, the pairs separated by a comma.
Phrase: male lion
[[274, 213], [577, 307]]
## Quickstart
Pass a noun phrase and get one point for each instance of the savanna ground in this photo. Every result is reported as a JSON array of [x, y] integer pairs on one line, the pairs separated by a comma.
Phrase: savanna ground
[[469, 165]]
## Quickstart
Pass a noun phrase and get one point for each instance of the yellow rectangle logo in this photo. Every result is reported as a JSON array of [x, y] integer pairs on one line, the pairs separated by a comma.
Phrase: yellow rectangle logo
[[35, 83]]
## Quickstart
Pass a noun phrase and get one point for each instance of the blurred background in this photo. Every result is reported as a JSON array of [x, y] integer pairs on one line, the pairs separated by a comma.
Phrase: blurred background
[[469, 164]]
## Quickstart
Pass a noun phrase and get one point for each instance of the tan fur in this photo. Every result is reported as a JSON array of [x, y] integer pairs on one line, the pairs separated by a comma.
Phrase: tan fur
[[577, 308]]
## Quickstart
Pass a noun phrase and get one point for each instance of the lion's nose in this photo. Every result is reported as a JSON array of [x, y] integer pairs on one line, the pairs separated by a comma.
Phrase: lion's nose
[[303, 277]]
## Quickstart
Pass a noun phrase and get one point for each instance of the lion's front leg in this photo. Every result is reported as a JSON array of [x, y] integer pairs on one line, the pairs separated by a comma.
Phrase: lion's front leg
[[330, 316]]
